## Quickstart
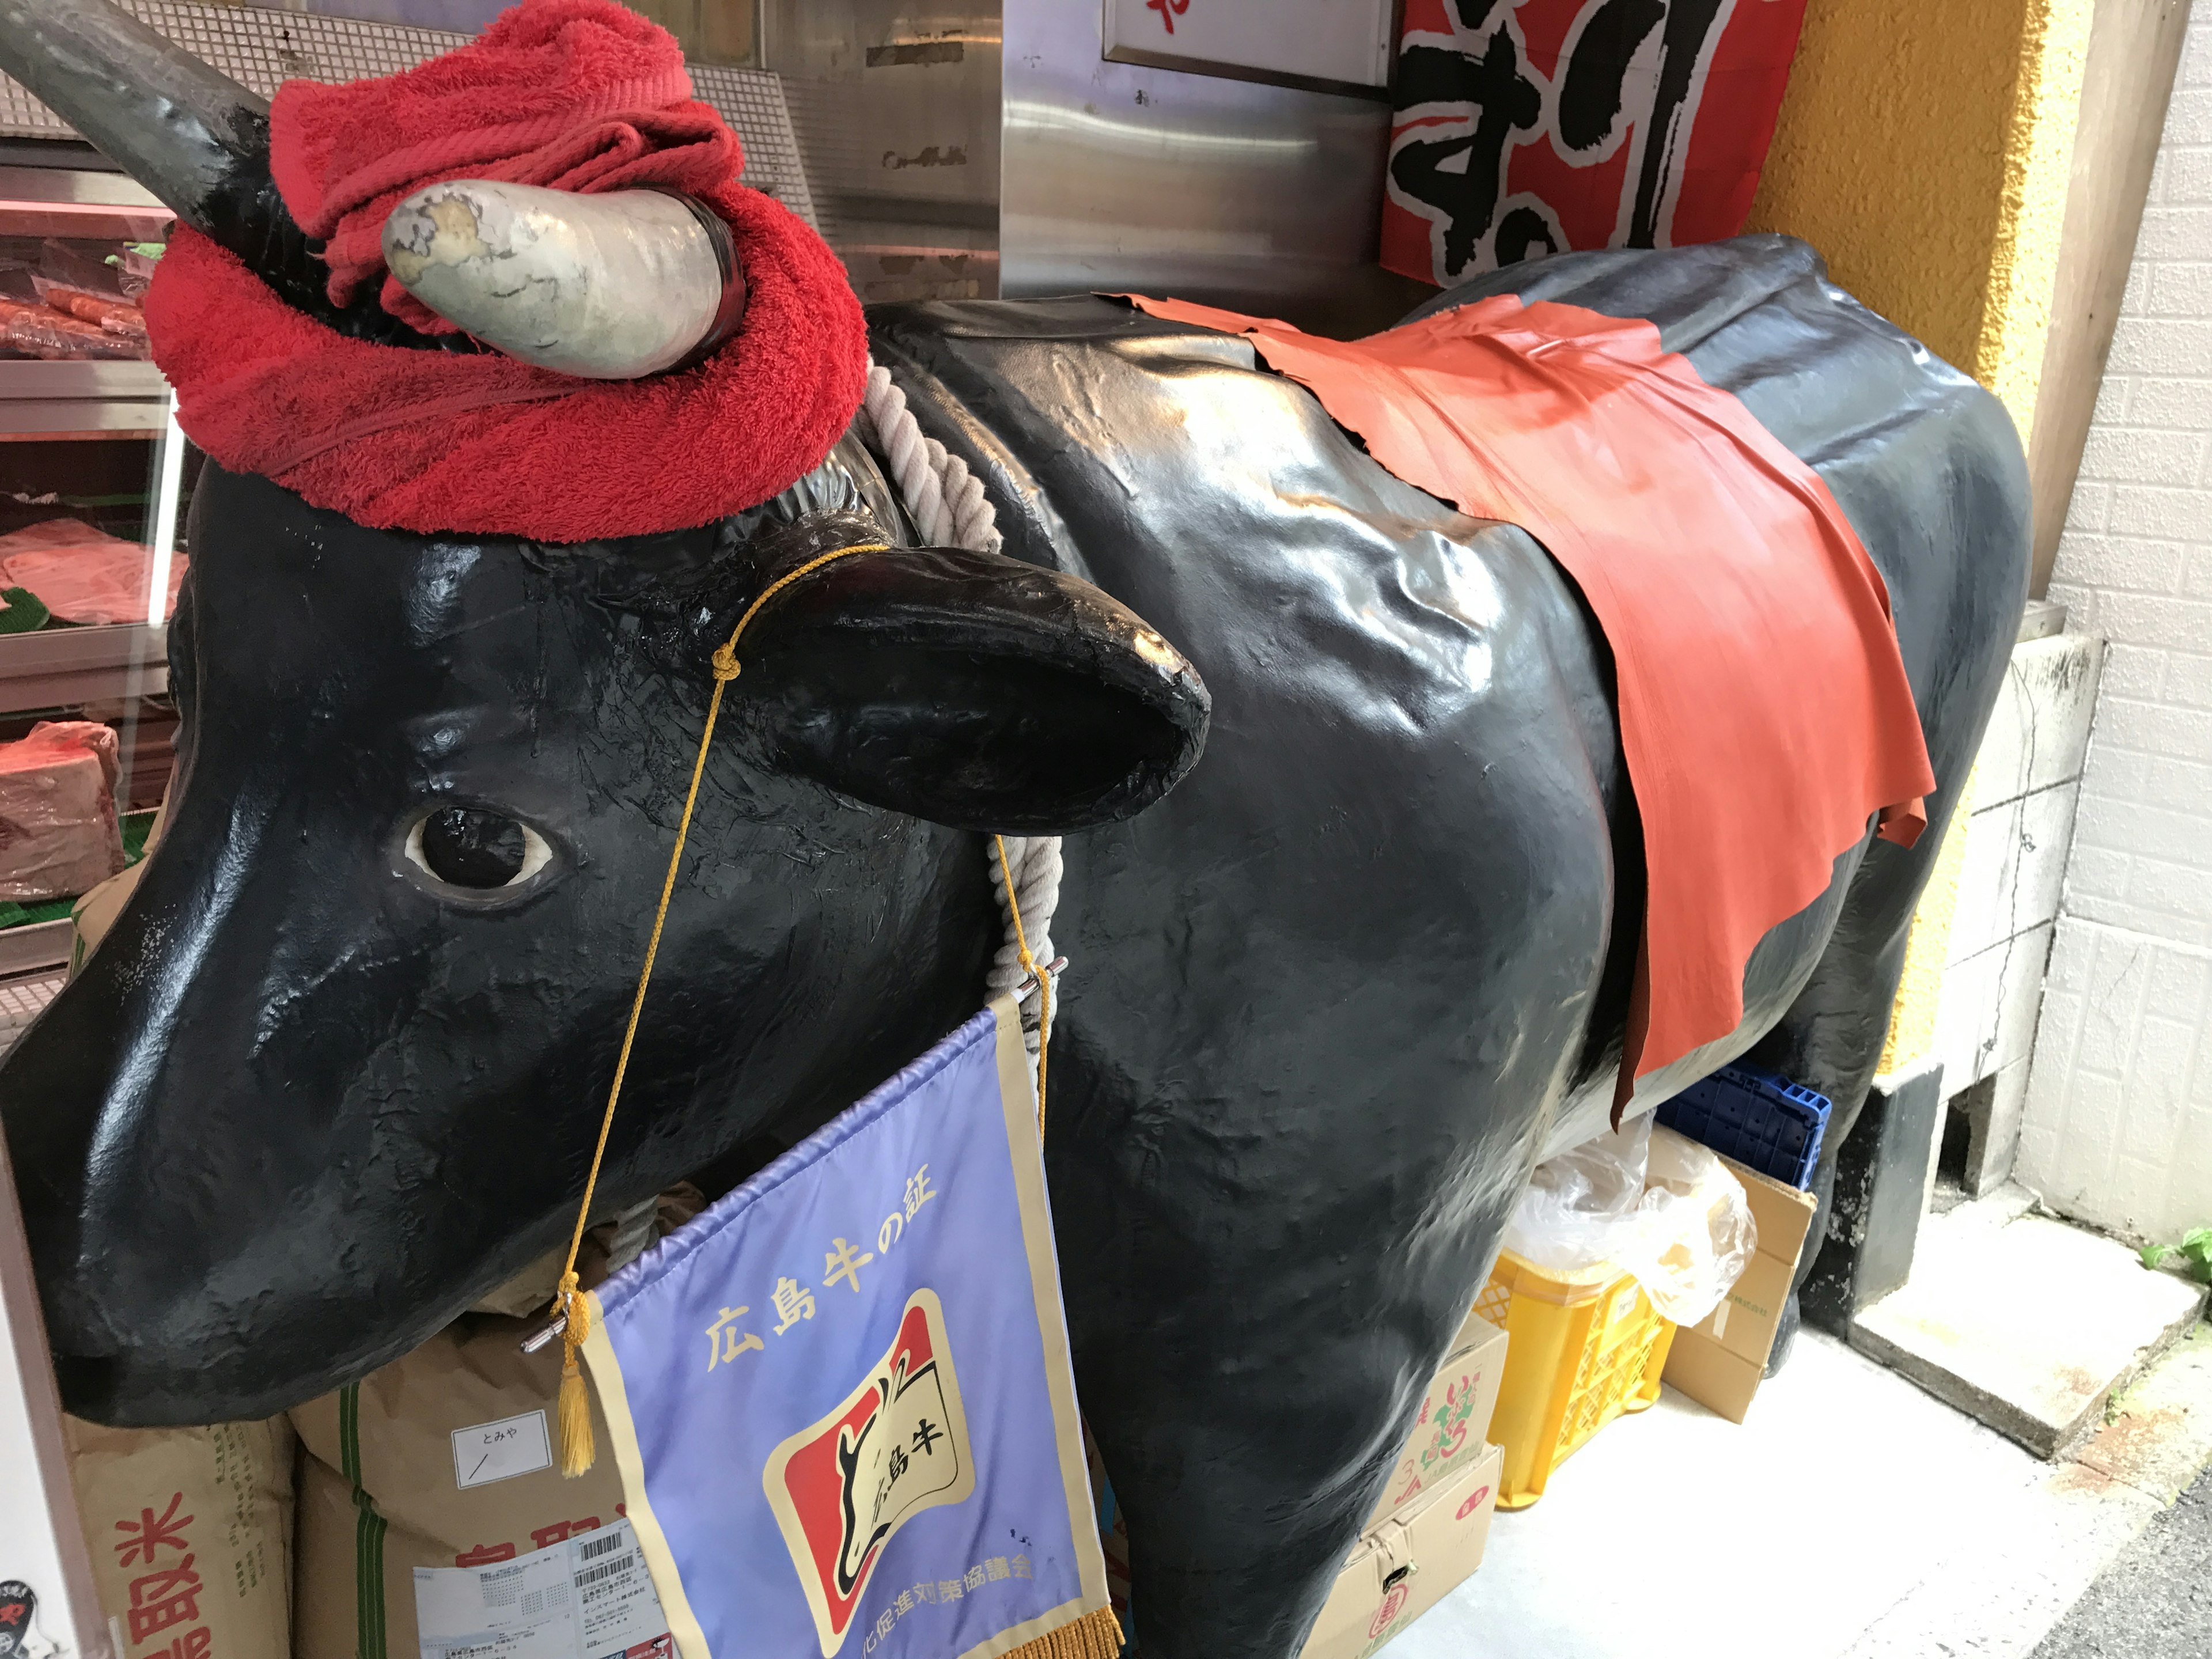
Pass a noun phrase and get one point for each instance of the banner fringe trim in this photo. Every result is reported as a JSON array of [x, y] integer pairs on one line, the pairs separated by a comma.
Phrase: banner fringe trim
[[1095, 1635]]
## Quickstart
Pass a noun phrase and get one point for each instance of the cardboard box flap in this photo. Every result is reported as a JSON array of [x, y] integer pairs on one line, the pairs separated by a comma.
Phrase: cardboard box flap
[[1721, 1382], [1720, 1362], [1783, 1213], [1476, 1333], [1453, 1424], [1410, 1563], [1382, 1552]]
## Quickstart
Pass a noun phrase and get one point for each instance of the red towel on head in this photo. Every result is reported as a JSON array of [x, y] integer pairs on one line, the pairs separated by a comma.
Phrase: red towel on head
[[1764, 706], [439, 442], [570, 94]]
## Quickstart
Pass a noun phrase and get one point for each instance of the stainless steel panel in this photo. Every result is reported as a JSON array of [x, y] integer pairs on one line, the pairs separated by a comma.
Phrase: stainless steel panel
[[1265, 198], [60, 666], [261, 48], [895, 104], [41, 946], [1333, 44], [31, 417], [48, 382], [76, 187]]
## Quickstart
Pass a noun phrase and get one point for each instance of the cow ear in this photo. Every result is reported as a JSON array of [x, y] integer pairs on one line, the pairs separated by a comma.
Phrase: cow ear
[[969, 690]]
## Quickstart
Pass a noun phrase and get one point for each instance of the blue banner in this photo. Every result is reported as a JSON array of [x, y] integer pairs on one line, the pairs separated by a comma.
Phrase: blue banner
[[840, 1399]]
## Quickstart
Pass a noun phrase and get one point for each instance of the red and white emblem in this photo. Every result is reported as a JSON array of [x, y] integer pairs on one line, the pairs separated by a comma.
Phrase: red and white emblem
[[898, 1445]]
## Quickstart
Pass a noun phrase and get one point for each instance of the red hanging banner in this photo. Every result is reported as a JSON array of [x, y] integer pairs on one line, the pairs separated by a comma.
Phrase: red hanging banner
[[1528, 127]]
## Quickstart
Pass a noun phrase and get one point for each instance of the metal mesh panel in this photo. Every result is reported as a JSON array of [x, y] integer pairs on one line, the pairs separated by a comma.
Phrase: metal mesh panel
[[751, 100], [262, 48]]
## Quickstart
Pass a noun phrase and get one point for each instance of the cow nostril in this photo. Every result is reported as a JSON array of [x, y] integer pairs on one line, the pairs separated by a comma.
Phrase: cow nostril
[[465, 848]]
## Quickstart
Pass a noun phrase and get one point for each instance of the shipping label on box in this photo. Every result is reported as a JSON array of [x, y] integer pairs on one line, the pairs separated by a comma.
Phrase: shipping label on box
[[1454, 1421], [1404, 1567]]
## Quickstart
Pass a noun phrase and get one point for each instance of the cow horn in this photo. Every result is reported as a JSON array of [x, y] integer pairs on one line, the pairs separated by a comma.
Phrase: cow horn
[[608, 287], [189, 133]]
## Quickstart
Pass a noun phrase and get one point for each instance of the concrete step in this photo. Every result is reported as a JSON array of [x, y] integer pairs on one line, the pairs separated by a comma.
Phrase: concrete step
[[2025, 1323]]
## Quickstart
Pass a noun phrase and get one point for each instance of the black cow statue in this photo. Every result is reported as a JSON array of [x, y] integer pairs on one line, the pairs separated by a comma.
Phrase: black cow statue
[[336, 1070]]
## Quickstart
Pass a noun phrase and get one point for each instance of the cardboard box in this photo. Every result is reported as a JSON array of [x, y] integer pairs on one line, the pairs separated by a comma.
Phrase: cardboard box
[[1719, 1363], [1455, 1417], [1404, 1567]]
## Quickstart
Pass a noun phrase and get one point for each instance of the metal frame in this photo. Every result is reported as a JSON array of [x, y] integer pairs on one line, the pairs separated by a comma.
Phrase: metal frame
[[261, 50]]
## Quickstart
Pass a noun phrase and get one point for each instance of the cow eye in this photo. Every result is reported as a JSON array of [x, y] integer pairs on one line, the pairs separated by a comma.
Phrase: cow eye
[[463, 846]]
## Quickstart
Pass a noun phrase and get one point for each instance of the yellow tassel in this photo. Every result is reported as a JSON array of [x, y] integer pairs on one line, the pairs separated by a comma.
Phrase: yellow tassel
[[1097, 1635], [573, 1412]]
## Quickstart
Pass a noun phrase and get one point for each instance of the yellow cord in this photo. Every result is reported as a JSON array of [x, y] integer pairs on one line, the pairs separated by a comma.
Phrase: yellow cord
[[1029, 966], [574, 1407]]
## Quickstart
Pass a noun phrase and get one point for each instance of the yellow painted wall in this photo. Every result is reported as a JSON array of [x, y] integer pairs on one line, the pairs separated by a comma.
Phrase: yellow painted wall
[[1924, 148], [1928, 951]]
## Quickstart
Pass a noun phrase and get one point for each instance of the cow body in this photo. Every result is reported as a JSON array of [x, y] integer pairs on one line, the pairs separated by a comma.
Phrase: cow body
[[1329, 999], [1336, 992]]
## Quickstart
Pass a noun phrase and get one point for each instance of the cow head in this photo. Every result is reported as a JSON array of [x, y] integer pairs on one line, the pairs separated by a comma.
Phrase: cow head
[[337, 1069]]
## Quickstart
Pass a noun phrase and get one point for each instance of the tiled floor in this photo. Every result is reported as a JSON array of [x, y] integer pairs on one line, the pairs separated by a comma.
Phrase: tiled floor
[[1852, 1516]]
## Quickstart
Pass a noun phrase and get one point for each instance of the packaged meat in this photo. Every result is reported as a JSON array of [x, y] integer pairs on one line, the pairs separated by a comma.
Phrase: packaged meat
[[112, 315], [83, 575], [58, 336], [60, 834], [50, 533]]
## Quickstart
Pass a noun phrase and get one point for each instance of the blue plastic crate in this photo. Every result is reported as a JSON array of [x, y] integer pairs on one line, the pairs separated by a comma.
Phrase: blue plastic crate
[[1756, 1117]]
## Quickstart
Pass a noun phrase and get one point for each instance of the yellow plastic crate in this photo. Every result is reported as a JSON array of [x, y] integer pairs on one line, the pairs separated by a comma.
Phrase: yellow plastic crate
[[1584, 1349]]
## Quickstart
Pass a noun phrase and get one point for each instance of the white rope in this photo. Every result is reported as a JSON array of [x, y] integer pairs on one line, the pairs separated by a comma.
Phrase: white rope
[[945, 500], [1035, 863], [949, 509]]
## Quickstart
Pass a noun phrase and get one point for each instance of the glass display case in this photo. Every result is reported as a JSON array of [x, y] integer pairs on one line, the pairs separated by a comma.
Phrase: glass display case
[[94, 476]]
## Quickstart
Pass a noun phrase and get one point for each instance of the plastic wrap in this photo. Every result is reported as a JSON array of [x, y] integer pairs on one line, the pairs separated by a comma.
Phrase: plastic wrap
[[57, 799], [105, 311], [83, 575], [43, 331], [1652, 1204]]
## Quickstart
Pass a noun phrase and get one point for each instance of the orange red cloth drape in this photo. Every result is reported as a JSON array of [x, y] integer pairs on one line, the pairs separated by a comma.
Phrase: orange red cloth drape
[[1764, 707]]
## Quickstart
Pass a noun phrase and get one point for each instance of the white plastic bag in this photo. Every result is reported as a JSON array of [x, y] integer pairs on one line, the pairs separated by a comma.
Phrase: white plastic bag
[[1580, 1207], [1653, 1203]]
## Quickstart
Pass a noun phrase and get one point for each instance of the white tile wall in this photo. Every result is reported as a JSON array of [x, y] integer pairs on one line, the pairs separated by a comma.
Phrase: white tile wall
[[2015, 867], [2118, 1116], [2039, 730], [2027, 786], [1986, 1019]]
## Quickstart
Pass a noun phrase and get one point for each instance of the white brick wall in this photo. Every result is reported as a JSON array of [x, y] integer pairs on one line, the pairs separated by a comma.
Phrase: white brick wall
[[2119, 1126]]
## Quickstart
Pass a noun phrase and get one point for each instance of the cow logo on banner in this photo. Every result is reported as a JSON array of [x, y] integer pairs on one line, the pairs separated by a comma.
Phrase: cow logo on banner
[[842, 1399], [897, 1445], [18, 1622], [1529, 127]]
